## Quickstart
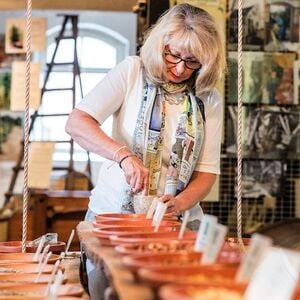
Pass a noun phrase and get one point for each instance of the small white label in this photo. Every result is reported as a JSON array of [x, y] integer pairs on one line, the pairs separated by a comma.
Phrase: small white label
[[159, 214], [276, 277], [204, 231], [214, 243], [257, 248], [39, 248], [152, 208], [183, 225]]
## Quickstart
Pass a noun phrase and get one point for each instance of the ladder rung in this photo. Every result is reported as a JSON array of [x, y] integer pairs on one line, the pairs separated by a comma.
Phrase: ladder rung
[[69, 37], [58, 89], [65, 141], [71, 63], [53, 168], [58, 142], [51, 115]]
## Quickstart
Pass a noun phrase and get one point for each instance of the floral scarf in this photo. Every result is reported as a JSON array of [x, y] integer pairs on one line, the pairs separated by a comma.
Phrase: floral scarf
[[149, 139]]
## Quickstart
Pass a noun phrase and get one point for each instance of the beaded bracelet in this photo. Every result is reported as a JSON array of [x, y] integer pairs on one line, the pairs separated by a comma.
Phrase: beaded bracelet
[[117, 151], [125, 157]]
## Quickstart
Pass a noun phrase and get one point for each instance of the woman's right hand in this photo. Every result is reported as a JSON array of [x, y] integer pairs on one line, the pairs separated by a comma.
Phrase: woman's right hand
[[136, 174]]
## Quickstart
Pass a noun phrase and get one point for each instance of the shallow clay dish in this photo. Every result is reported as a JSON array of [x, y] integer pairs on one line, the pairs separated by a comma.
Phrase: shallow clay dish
[[151, 237], [36, 298], [232, 242], [105, 233], [135, 262], [127, 217], [146, 247], [127, 223], [24, 268], [156, 277], [8, 258], [232, 251], [25, 277], [210, 291], [207, 291], [55, 248], [11, 247], [37, 290]]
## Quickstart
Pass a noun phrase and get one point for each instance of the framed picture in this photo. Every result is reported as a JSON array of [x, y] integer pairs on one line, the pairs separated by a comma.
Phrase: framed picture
[[15, 35], [278, 78], [296, 81], [282, 28], [231, 130], [253, 24], [271, 132], [11, 135], [5, 83], [262, 178], [18, 86]]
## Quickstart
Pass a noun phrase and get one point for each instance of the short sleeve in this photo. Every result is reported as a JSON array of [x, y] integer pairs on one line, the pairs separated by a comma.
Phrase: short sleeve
[[109, 94], [209, 160]]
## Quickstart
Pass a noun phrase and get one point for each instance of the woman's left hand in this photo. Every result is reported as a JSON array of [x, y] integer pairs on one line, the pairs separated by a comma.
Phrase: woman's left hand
[[173, 208]]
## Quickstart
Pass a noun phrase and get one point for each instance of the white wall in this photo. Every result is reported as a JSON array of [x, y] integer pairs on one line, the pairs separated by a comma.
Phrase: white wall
[[124, 23]]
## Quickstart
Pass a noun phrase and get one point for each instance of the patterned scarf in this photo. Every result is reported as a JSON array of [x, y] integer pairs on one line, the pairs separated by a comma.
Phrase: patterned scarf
[[149, 139]]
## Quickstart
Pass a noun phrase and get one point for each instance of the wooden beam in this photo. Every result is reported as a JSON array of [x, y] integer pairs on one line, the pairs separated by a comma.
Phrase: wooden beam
[[103, 5]]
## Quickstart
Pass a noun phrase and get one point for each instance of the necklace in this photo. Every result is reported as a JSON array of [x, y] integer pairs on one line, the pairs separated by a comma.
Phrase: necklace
[[174, 93], [174, 99]]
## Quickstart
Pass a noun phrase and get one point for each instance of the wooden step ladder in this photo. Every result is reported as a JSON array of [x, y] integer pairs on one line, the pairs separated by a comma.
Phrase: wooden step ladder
[[71, 173]]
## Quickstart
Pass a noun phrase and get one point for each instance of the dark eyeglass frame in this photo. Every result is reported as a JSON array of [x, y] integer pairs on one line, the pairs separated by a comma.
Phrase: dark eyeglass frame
[[179, 59]]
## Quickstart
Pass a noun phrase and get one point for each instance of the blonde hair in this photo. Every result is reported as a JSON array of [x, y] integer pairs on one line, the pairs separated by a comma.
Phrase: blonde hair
[[194, 30]]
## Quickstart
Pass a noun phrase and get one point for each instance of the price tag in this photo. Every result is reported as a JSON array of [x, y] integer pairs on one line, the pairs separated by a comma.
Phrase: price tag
[[257, 248], [159, 214], [203, 232], [276, 277], [214, 243]]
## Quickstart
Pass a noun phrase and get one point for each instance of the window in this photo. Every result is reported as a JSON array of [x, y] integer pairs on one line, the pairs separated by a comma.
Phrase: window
[[98, 49]]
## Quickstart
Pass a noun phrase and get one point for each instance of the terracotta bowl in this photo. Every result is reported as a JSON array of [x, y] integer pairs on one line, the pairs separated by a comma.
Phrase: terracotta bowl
[[202, 291], [156, 277], [11, 247], [150, 237], [207, 291], [36, 298], [164, 260], [127, 217], [55, 248], [146, 247], [126, 223], [8, 258], [232, 251], [105, 233], [25, 268], [232, 242], [65, 290], [226, 256], [26, 278]]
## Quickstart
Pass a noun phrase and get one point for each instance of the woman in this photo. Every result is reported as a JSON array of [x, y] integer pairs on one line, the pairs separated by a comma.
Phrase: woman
[[165, 140]]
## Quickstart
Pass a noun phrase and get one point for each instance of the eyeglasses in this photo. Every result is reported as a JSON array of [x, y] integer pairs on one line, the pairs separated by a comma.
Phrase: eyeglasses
[[175, 59]]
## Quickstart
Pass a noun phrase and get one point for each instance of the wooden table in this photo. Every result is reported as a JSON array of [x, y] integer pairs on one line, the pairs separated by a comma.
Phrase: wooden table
[[122, 279], [72, 272]]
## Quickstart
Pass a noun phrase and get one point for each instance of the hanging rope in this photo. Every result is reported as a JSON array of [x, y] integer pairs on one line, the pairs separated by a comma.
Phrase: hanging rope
[[239, 134], [26, 124]]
